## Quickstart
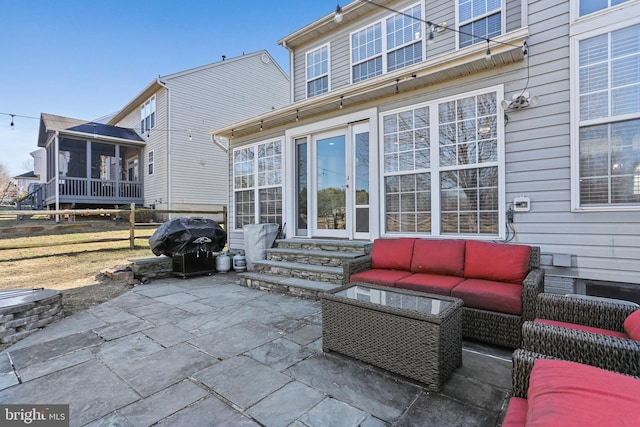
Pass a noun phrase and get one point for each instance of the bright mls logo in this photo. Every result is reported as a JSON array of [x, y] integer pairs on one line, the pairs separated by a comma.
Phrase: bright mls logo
[[34, 415]]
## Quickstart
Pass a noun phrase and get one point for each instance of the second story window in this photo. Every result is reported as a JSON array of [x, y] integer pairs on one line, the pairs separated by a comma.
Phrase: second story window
[[366, 52], [318, 71], [404, 38], [148, 115], [590, 6], [150, 162], [479, 20]]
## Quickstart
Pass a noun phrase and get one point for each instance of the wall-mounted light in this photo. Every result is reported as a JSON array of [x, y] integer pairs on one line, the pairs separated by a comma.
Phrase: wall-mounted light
[[338, 15], [522, 100]]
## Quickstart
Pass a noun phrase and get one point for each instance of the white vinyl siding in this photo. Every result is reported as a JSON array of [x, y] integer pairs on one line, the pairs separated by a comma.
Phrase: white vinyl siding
[[609, 118], [318, 71], [478, 20], [257, 184], [442, 169]]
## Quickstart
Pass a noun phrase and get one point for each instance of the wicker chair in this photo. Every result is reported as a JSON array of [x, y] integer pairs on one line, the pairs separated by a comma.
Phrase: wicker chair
[[483, 325], [603, 351]]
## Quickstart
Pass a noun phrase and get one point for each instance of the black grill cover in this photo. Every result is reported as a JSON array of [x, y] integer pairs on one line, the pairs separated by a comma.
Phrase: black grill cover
[[183, 235]]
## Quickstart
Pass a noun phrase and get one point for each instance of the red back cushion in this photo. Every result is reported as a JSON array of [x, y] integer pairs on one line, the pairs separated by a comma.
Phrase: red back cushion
[[565, 393], [438, 257], [632, 325], [392, 254], [496, 261]]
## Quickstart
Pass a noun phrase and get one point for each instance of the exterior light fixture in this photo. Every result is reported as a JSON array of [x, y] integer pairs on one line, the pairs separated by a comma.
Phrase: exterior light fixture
[[297, 115], [13, 126], [338, 15], [261, 125], [522, 100], [341, 96], [488, 56]]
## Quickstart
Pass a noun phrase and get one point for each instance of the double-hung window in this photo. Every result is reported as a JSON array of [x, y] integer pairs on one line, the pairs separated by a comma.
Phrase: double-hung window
[[257, 184], [608, 133], [148, 115], [318, 71], [591, 6], [150, 162], [387, 45], [441, 168], [478, 20]]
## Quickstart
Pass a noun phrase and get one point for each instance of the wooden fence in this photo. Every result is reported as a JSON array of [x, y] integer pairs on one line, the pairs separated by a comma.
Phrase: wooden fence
[[125, 213]]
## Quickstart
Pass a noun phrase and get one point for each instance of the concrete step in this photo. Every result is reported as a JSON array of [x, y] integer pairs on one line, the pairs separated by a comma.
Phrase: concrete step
[[319, 273], [356, 246], [309, 289], [311, 256]]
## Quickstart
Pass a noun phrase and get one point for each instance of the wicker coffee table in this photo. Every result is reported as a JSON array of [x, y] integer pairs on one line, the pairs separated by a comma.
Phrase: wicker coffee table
[[413, 334]]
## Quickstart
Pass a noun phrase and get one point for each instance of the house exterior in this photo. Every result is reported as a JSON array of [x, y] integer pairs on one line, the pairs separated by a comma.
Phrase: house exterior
[[514, 121], [183, 168], [88, 164]]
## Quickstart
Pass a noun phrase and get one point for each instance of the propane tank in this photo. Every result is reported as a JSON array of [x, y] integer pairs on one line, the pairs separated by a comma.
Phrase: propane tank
[[223, 263], [239, 263]]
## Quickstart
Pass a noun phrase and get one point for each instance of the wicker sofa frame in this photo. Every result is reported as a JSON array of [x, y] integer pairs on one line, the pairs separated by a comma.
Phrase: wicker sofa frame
[[603, 351], [483, 325]]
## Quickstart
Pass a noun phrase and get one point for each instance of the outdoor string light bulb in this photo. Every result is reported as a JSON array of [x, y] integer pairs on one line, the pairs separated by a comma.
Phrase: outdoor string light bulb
[[341, 102], [338, 16], [488, 57], [13, 126], [190, 138]]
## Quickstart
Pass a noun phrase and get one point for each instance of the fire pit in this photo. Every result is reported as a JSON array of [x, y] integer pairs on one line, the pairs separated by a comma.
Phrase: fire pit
[[193, 243]]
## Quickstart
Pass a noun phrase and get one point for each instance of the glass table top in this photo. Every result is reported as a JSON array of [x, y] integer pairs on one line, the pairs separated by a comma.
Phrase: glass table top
[[393, 298]]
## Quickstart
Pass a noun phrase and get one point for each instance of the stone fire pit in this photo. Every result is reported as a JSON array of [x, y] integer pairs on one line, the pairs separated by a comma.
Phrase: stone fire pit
[[25, 311]]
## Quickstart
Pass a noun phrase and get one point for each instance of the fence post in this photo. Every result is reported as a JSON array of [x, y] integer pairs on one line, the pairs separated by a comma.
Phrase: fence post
[[132, 226]]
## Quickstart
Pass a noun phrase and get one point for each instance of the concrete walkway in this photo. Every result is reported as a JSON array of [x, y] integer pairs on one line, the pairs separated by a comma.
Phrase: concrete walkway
[[205, 351]]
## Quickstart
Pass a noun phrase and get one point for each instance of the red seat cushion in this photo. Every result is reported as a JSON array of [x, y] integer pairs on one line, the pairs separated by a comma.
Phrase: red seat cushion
[[379, 277], [516, 415], [496, 261], [489, 295], [438, 257], [582, 328], [563, 393], [430, 283], [392, 254], [632, 325]]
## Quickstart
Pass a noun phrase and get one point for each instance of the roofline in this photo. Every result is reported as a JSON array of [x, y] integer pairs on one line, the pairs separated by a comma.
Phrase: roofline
[[98, 137], [135, 103]]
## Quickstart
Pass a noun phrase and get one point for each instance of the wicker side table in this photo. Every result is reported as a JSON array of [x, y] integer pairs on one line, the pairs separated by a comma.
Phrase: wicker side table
[[413, 334]]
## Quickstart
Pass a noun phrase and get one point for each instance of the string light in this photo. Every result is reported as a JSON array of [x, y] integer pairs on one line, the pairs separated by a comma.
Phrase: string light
[[342, 96], [297, 115], [190, 138], [488, 56], [232, 130], [338, 16], [12, 124], [397, 87], [261, 127]]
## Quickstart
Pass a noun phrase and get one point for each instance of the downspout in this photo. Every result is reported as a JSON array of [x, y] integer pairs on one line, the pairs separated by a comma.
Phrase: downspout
[[168, 142], [56, 181], [291, 94]]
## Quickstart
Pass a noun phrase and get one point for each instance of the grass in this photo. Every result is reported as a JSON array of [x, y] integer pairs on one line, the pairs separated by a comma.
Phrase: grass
[[39, 253]]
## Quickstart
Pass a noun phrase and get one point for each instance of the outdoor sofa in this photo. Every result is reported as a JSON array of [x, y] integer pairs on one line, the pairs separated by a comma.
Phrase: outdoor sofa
[[551, 392], [498, 283], [597, 332]]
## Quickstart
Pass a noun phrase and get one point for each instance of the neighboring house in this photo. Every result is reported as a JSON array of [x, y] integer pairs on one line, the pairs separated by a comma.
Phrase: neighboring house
[[183, 168], [397, 129], [89, 164]]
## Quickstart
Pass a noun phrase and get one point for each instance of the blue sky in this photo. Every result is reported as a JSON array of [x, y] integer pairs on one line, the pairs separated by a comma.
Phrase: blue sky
[[85, 59]]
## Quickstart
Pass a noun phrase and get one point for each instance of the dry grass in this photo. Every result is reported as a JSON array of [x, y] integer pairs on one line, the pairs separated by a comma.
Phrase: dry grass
[[68, 265]]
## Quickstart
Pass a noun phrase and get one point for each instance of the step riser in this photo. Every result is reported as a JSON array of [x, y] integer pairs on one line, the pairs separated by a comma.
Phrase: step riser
[[300, 274], [320, 246], [279, 288], [307, 259]]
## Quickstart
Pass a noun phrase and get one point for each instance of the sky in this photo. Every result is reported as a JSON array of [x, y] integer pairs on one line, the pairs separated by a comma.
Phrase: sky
[[88, 58]]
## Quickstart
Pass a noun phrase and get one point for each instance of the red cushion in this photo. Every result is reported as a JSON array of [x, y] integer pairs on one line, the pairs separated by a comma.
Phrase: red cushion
[[516, 415], [488, 295], [582, 328], [496, 261], [430, 283], [632, 325], [438, 257], [393, 254], [563, 393], [379, 277]]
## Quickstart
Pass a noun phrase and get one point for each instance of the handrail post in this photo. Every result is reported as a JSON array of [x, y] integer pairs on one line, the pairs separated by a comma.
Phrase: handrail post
[[132, 226]]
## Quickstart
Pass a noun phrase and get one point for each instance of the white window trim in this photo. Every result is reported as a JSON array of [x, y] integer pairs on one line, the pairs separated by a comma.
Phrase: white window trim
[[306, 65], [574, 13], [151, 161], [385, 48], [256, 188], [583, 32], [155, 112], [435, 152], [503, 21]]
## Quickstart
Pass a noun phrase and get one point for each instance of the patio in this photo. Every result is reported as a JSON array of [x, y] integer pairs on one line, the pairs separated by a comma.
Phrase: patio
[[207, 351]]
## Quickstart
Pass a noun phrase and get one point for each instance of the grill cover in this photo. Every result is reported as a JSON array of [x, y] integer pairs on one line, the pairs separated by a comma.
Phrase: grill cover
[[180, 236]]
